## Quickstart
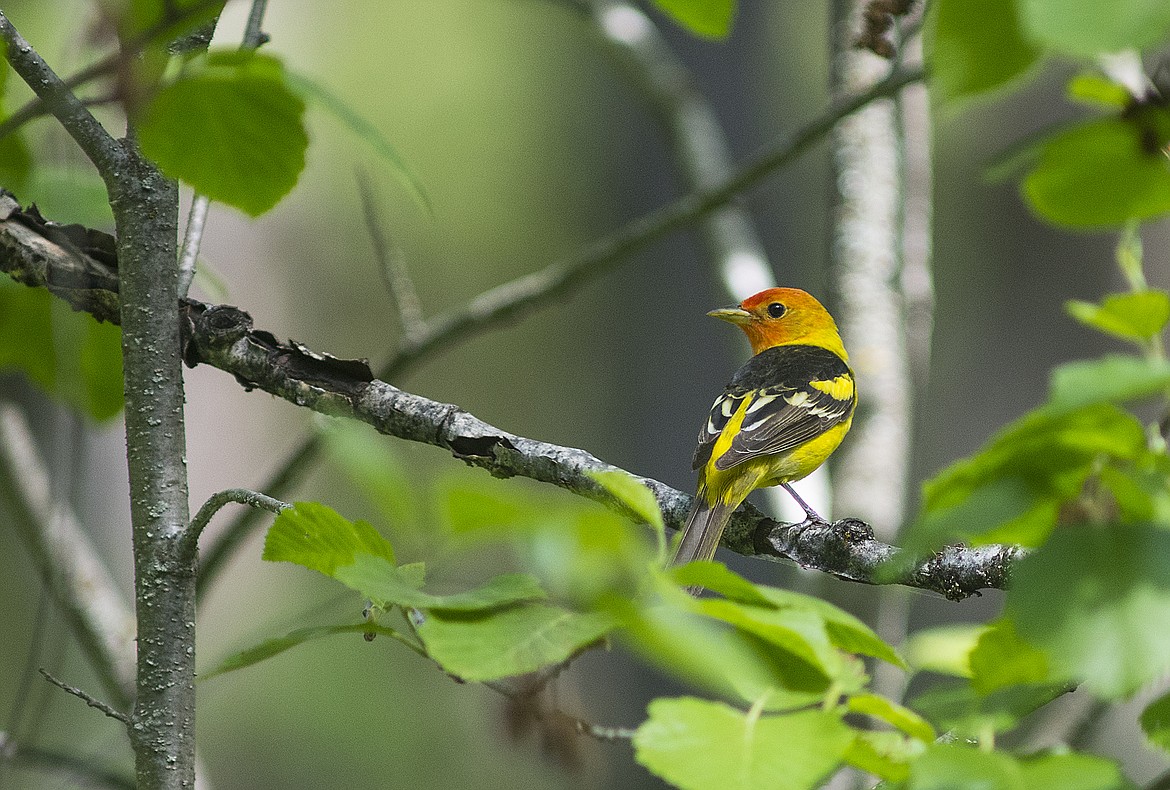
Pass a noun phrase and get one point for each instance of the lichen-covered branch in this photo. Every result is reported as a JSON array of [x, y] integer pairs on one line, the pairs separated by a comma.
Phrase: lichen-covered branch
[[224, 337]]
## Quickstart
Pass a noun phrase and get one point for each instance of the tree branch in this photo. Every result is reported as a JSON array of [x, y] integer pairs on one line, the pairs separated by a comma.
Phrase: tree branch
[[223, 337], [526, 294], [698, 144], [67, 561], [101, 148], [89, 699], [216, 502]]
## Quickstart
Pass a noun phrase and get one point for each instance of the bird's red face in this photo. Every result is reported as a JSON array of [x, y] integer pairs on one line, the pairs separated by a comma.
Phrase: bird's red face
[[781, 316]]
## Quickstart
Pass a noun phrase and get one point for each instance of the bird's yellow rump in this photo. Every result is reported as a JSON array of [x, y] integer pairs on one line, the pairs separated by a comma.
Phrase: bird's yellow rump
[[780, 417]]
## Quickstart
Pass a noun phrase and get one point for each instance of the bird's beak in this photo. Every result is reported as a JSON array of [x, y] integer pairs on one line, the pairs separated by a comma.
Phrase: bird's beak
[[736, 315]]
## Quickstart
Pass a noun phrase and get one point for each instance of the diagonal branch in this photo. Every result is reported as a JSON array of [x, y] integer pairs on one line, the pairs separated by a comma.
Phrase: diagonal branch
[[101, 148], [526, 294], [223, 337]]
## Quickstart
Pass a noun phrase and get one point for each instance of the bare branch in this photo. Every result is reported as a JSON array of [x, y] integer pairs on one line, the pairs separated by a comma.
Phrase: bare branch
[[67, 561], [391, 265], [192, 237], [89, 699], [223, 337], [101, 148], [698, 144], [216, 502], [524, 295]]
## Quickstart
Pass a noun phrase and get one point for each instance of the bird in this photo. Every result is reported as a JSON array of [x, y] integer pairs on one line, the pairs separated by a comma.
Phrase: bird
[[781, 415]]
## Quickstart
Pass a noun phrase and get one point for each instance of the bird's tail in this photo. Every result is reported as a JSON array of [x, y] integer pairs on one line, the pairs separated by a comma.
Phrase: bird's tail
[[702, 531]]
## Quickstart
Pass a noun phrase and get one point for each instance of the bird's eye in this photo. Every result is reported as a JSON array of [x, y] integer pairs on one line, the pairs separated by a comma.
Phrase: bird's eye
[[775, 310]]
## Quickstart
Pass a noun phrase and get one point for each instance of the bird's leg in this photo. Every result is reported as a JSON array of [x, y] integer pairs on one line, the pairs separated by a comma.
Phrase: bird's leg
[[813, 516]]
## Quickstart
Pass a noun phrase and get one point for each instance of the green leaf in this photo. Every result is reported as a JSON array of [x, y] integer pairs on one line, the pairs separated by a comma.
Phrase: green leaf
[[970, 715], [955, 767], [699, 745], [385, 585], [806, 656], [68, 355], [845, 631], [496, 643], [1103, 173], [886, 755], [709, 653], [1140, 493], [1131, 316], [312, 91], [945, 649], [1071, 772], [1011, 490], [1098, 91], [1087, 28], [1155, 721], [634, 494], [319, 538], [973, 48], [707, 18], [1097, 600], [1113, 379], [893, 714], [718, 578], [135, 17], [1001, 659], [276, 646], [232, 129]]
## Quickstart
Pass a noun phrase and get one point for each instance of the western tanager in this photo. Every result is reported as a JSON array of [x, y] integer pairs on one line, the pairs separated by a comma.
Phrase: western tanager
[[781, 416]]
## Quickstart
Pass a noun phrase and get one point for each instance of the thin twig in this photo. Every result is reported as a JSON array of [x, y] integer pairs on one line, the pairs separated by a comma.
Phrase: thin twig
[[391, 265], [101, 148], [89, 699], [254, 36], [192, 237], [241, 496], [220, 549], [698, 145], [108, 65], [512, 300]]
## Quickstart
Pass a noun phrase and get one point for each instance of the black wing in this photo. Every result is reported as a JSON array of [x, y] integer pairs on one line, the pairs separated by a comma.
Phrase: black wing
[[795, 394]]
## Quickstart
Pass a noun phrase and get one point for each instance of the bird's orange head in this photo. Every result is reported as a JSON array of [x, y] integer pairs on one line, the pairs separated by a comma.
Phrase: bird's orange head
[[784, 317]]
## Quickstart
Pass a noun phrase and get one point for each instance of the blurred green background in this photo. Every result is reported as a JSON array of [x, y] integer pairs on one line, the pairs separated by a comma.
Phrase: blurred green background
[[530, 143]]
